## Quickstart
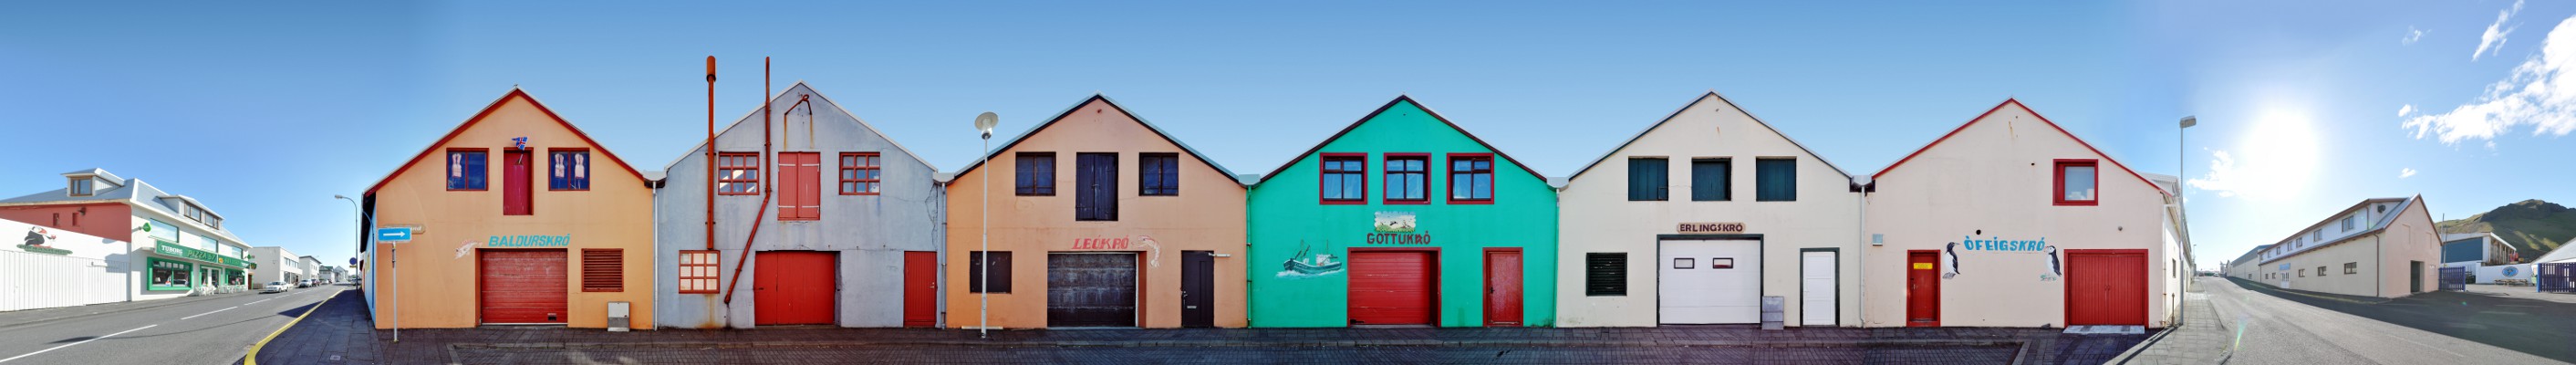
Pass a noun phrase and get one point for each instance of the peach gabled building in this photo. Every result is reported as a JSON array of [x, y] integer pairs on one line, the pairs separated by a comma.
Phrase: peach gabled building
[[516, 217]]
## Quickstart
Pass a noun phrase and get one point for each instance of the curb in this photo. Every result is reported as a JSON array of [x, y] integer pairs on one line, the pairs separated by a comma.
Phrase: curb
[[1219, 343], [252, 358]]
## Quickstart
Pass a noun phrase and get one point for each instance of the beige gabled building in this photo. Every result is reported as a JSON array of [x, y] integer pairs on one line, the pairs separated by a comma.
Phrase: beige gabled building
[[2384, 247]]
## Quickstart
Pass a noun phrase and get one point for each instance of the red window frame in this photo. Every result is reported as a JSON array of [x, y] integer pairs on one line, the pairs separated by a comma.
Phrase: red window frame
[[585, 166], [698, 272], [2057, 186], [799, 186], [1453, 177], [862, 169], [727, 162], [1324, 173], [487, 167], [1386, 193]]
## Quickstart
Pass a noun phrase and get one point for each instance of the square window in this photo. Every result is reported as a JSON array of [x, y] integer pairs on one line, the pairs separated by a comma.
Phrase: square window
[[1684, 263], [1035, 175], [568, 170], [1158, 174], [998, 263], [1406, 178], [1649, 179], [698, 272], [737, 173], [860, 173], [1345, 178], [2076, 182], [465, 170], [2351, 268], [82, 187], [1775, 179], [1471, 178], [1605, 274], [1709, 179]]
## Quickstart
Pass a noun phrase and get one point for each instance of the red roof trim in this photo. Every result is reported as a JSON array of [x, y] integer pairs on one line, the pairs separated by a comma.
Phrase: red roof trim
[[487, 111], [2043, 120]]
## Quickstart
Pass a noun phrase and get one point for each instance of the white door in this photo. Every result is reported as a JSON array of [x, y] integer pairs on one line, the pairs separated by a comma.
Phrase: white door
[[1710, 281], [1817, 288]]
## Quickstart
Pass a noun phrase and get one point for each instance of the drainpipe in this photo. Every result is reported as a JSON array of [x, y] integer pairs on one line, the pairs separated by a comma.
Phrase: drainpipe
[[1861, 255], [767, 183], [711, 153]]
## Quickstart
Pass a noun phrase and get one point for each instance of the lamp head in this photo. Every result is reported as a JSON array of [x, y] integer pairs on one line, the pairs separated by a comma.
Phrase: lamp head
[[985, 122], [2188, 121]]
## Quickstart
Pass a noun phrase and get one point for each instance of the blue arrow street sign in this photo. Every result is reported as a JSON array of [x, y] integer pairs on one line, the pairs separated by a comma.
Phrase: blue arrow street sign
[[393, 234]]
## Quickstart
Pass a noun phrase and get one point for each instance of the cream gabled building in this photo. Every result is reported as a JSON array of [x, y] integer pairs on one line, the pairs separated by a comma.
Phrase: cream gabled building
[[2384, 247]]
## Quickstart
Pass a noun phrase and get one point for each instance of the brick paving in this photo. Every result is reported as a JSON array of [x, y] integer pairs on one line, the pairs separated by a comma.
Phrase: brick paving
[[2202, 339], [341, 328]]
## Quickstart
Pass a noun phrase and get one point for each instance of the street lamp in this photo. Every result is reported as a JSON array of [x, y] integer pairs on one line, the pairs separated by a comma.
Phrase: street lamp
[[2180, 202], [984, 261], [362, 229]]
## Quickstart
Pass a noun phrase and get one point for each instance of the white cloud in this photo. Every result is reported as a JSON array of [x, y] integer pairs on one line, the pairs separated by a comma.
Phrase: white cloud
[[2493, 39], [2412, 34], [2221, 177], [2402, 111], [2405, 173], [2541, 93]]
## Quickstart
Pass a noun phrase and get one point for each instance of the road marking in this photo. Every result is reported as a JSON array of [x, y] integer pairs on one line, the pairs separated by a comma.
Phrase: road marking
[[252, 358], [75, 343], [206, 313]]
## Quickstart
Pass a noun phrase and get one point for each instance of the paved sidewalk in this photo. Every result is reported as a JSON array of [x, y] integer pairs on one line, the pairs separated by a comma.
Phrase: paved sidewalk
[[2202, 339], [32, 316], [338, 333]]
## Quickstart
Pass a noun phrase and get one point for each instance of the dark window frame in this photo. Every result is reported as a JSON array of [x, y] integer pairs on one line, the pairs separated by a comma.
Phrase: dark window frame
[[1027, 180], [1489, 183], [1725, 181], [1610, 283], [1760, 184], [1102, 204], [1163, 167], [1662, 189], [1325, 171], [1000, 262], [1387, 176]]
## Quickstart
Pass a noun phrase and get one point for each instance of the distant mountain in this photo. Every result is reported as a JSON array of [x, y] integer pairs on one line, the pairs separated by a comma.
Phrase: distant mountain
[[2533, 227]]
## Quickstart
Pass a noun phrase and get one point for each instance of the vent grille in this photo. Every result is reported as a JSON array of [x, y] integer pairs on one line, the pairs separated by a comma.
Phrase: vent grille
[[603, 270], [1605, 274]]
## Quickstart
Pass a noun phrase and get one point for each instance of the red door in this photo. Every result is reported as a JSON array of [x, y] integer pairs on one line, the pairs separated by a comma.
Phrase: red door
[[1391, 287], [514, 183], [793, 287], [1922, 288], [2106, 287], [920, 289], [523, 286], [1503, 288]]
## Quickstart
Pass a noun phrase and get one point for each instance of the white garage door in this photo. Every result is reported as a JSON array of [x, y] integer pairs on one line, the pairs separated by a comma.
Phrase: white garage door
[[1710, 281], [1816, 285]]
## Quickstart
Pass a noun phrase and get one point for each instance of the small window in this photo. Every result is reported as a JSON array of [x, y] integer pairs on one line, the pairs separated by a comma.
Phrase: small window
[[2075, 182], [860, 173], [1406, 178], [82, 187], [1345, 178], [2350, 222], [1684, 263], [737, 173], [603, 270], [569, 170], [1649, 179], [1605, 274], [2321, 271], [1775, 180], [1471, 179], [2303, 273], [2318, 236], [1721, 263], [698, 273], [1035, 175], [2351, 268], [1709, 179], [1000, 272], [465, 170], [1158, 174], [1095, 176]]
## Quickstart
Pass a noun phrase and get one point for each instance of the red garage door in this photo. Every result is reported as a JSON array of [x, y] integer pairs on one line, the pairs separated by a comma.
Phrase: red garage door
[[1391, 287], [793, 287], [523, 286], [2106, 287]]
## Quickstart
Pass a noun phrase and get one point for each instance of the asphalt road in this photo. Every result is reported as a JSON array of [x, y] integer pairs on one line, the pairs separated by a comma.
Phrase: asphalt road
[[2281, 331], [204, 332]]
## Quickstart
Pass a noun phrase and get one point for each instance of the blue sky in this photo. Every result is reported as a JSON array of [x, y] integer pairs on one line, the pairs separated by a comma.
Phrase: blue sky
[[265, 111]]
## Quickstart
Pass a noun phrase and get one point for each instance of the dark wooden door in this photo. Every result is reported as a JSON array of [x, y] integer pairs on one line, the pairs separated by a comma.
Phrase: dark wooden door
[[1095, 177], [1198, 289], [794, 287], [523, 286], [1502, 288], [1922, 289], [1091, 289], [2106, 288], [515, 197], [920, 289], [1391, 287]]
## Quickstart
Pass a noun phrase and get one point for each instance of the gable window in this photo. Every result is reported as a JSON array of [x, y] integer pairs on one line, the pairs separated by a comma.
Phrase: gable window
[[1345, 178], [1709, 179], [737, 173], [860, 174], [1605, 274], [81, 187], [1095, 178], [1775, 179], [1407, 178], [698, 272], [1158, 174], [2075, 182], [1035, 175], [465, 169], [570, 170], [800, 190], [1649, 179], [2318, 235], [2349, 222], [1471, 178]]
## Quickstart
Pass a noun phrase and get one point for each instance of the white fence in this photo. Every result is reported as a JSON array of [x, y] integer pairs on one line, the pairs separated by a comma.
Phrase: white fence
[[34, 280]]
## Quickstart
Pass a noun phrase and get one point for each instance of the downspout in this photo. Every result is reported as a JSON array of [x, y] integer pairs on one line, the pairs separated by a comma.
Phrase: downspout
[[711, 153], [1860, 294], [767, 180]]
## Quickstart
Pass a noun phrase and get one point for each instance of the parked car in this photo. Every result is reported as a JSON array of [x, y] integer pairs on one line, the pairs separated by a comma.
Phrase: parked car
[[275, 287]]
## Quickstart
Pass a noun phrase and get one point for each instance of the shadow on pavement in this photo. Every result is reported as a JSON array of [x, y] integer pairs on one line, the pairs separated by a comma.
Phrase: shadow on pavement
[[2537, 327]]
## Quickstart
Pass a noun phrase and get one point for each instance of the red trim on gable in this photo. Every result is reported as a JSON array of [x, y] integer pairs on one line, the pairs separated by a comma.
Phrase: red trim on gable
[[2043, 120], [487, 111]]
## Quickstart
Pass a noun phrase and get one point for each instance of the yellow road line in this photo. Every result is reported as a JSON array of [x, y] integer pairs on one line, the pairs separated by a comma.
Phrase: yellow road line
[[252, 358]]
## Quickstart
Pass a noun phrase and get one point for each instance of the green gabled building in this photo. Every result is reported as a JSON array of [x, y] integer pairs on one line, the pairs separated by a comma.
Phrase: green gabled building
[[1402, 219]]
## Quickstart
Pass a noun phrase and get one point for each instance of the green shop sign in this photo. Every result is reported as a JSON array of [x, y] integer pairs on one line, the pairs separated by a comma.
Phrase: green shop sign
[[172, 249]]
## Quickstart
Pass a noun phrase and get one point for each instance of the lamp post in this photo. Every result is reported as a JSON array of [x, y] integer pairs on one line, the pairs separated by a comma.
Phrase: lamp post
[[2180, 202], [984, 237], [362, 229]]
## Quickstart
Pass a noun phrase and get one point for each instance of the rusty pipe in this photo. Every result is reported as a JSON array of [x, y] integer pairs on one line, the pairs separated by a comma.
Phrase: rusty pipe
[[711, 153]]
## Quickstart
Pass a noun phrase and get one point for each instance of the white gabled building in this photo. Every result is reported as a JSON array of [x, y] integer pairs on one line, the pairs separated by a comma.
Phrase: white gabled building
[[165, 245], [2384, 247]]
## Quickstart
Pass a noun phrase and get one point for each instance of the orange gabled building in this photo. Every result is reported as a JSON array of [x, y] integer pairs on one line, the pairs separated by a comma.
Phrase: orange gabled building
[[514, 217]]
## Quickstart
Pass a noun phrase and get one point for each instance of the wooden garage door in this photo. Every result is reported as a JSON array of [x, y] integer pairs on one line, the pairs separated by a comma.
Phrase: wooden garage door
[[523, 286], [1091, 289], [1391, 287], [2106, 287], [794, 287]]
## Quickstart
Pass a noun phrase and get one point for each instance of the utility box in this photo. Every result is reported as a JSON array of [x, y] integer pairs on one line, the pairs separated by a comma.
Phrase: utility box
[[618, 317], [1771, 308]]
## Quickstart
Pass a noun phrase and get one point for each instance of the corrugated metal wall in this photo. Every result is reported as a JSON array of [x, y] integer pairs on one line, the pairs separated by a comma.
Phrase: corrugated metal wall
[[33, 280]]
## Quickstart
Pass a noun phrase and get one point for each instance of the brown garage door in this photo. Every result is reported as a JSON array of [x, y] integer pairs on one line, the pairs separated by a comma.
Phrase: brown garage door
[[523, 286], [1391, 287], [1091, 289]]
